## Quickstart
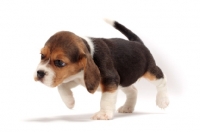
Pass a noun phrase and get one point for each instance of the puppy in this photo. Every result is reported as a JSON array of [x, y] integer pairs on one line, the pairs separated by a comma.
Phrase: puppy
[[68, 60]]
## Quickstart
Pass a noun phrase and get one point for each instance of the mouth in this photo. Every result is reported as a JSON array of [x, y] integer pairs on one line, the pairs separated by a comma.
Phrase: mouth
[[45, 75], [37, 79], [42, 81]]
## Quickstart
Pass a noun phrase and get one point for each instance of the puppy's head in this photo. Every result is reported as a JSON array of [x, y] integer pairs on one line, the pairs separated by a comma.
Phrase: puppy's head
[[64, 55]]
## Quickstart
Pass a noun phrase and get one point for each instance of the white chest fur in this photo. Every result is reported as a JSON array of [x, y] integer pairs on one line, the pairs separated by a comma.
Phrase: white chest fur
[[78, 78]]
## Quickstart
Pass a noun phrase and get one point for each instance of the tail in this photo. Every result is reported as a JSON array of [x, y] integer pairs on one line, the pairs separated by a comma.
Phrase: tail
[[128, 33]]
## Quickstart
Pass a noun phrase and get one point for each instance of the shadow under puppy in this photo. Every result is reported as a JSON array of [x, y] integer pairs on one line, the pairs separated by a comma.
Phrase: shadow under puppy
[[68, 60]]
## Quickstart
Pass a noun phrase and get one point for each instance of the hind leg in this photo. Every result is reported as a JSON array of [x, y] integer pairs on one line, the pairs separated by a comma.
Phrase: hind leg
[[131, 98], [156, 77]]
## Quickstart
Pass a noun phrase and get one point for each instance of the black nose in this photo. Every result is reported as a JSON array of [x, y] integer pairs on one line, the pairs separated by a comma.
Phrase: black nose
[[40, 74]]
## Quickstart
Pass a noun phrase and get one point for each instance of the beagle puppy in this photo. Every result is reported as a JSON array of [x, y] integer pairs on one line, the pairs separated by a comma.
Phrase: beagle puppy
[[68, 60]]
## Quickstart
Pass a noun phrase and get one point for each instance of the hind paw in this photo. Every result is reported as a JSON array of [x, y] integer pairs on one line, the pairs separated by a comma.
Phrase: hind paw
[[162, 100]]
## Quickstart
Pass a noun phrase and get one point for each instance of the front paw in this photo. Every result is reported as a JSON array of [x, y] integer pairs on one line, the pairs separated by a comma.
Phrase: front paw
[[126, 109], [69, 101], [162, 100], [103, 115]]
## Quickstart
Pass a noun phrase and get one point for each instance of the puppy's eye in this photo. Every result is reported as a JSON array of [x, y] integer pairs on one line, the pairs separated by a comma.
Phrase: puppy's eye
[[42, 56], [59, 63]]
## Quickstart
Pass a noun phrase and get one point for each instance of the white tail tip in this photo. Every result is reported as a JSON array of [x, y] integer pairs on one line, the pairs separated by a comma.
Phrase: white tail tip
[[111, 22]]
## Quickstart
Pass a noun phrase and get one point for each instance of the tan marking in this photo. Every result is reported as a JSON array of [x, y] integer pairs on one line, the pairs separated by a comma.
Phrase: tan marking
[[110, 88], [46, 52], [149, 76]]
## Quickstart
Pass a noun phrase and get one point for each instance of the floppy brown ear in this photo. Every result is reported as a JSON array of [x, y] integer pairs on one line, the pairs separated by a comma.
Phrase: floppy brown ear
[[91, 74]]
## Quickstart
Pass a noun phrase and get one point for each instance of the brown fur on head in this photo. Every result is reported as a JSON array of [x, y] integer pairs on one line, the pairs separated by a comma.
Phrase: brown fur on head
[[63, 56]]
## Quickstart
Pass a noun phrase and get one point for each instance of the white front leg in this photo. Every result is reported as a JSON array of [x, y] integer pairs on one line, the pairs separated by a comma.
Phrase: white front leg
[[66, 93], [108, 101], [131, 98]]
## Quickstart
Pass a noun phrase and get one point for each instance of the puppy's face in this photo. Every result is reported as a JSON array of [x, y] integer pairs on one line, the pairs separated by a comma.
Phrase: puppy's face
[[64, 55]]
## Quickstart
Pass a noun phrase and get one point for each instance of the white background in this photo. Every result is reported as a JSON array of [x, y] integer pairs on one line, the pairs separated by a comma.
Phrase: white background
[[170, 29]]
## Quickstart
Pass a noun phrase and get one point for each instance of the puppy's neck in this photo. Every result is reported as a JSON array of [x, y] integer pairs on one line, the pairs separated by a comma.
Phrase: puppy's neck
[[78, 77], [89, 44]]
